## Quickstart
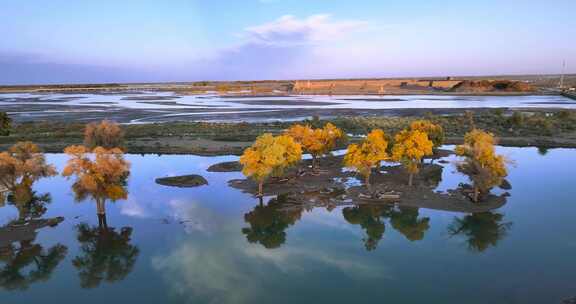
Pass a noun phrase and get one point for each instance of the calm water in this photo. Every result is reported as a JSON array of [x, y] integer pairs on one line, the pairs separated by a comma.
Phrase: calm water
[[214, 245], [143, 107]]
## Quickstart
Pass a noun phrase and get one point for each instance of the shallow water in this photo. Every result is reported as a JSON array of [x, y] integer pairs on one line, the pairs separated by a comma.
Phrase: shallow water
[[196, 246], [160, 106]]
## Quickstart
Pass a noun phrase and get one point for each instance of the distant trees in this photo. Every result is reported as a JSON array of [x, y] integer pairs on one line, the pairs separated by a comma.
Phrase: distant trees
[[481, 164], [317, 142], [410, 146], [269, 155], [101, 175], [368, 154], [105, 134], [5, 124]]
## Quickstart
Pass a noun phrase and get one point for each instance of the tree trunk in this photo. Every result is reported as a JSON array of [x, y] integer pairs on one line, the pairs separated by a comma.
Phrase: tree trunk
[[100, 206], [314, 163], [378, 165], [261, 189], [410, 179], [21, 214], [367, 182], [476, 193], [102, 224]]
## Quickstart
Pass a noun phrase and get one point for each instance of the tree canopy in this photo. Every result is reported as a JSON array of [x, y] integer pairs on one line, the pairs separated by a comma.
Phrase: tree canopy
[[317, 142], [481, 164], [25, 163], [435, 132], [101, 174], [270, 155], [410, 146], [105, 134], [366, 155]]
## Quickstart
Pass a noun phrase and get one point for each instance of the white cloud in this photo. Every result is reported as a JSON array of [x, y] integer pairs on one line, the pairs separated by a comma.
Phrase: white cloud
[[289, 30], [132, 208], [226, 269]]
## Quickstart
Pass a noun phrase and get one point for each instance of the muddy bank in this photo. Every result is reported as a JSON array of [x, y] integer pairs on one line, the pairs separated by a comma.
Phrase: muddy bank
[[543, 129]]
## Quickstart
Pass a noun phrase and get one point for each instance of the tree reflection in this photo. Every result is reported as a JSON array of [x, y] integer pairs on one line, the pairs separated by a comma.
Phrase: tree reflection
[[23, 164], [30, 204], [405, 220], [482, 230], [28, 263], [371, 219], [106, 254], [23, 261], [269, 222], [20, 167]]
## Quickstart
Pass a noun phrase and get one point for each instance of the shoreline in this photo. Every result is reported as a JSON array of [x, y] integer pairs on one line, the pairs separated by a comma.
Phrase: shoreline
[[544, 130]]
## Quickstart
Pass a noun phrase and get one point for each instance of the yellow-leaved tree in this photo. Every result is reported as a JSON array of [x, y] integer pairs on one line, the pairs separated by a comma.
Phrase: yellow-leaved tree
[[23, 163], [100, 173], [482, 165], [410, 146], [434, 131], [317, 142], [21, 166], [368, 154], [107, 134], [268, 156]]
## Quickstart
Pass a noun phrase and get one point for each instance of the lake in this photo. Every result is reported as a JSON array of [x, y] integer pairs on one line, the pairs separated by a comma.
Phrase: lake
[[147, 107], [216, 244]]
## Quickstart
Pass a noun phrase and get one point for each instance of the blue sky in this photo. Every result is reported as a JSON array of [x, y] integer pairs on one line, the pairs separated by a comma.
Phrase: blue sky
[[67, 41]]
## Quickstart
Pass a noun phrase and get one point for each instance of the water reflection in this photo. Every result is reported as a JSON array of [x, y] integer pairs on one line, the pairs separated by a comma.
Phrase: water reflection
[[216, 247], [405, 220], [371, 219], [105, 254], [25, 262], [268, 223], [29, 203], [480, 230]]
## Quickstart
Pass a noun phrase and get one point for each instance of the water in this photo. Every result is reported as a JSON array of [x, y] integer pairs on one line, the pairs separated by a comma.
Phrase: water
[[174, 245], [146, 107]]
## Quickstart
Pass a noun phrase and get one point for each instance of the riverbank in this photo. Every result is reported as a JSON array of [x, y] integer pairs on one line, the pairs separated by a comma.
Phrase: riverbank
[[545, 129], [380, 86]]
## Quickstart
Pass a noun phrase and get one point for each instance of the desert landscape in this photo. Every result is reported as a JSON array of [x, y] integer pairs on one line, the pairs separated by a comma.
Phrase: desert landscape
[[274, 151]]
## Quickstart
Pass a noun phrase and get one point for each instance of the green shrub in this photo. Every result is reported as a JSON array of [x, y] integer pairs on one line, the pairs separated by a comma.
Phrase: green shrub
[[5, 124]]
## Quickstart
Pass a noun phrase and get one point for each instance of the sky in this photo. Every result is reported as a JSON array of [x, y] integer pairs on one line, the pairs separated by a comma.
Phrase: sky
[[63, 41]]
